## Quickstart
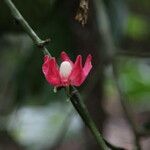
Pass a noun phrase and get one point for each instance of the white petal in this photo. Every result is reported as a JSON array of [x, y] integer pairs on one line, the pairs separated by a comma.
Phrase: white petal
[[65, 69]]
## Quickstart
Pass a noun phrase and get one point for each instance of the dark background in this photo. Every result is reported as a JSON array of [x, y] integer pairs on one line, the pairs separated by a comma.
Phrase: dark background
[[32, 116]]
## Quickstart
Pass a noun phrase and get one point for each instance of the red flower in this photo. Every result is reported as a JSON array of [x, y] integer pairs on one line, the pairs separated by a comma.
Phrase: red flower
[[68, 73]]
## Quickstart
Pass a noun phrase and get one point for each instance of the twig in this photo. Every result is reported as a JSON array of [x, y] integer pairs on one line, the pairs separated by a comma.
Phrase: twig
[[79, 105], [74, 94], [20, 19]]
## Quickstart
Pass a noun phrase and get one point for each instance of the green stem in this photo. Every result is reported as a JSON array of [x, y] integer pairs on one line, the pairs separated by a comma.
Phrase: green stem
[[83, 112], [19, 18]]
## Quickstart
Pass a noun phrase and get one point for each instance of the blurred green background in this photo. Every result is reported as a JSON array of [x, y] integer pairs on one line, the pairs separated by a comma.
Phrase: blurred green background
[[32, 116]]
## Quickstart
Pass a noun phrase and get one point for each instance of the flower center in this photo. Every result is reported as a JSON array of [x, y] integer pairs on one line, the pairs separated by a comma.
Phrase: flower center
[[65, 69]]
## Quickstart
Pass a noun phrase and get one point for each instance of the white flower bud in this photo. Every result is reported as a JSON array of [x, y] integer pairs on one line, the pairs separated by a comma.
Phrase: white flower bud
[[65, 69]]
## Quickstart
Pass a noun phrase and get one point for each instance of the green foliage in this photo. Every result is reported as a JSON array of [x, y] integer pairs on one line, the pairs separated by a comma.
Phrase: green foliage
[[138, 27], [134, 76]]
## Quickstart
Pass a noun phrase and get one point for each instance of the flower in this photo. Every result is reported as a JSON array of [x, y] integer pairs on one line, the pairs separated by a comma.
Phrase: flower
[[68, 73]]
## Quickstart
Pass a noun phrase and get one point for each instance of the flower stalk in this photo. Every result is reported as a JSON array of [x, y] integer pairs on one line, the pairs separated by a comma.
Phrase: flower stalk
[[80, 107]]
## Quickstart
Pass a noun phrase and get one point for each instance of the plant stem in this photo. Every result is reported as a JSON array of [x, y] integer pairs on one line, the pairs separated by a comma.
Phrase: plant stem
[[79, 105], [19, 18]]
